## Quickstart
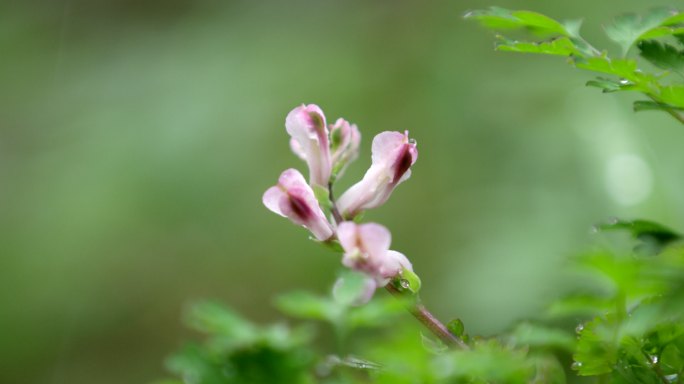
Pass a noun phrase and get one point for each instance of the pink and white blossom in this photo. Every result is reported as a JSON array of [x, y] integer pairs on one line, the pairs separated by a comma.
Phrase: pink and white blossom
[[393, 154], [366, 249], [344, 144], [307, 127], [293, 198]]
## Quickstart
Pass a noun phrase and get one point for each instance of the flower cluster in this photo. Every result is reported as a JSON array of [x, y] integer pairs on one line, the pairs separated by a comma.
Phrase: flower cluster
[[328, 150]]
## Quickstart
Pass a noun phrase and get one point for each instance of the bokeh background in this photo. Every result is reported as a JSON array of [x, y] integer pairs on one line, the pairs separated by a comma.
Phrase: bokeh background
[[136, 139]]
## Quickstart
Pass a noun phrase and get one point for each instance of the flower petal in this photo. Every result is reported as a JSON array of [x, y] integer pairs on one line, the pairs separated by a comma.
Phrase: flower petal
[[272, 198], [306, 124], [293, 198]]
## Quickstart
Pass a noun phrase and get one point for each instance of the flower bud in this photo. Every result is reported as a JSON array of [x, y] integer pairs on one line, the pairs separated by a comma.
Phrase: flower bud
[[344, 144], [393, 156], [293, 198], [366, 249], [306, 124]]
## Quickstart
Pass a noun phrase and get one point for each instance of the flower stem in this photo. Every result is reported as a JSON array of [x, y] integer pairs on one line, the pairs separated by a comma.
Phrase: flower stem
[[333, 208], [418, 310]]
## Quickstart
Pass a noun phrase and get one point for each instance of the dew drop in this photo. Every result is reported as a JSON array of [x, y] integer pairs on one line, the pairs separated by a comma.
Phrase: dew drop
[[576, 365], [404, 283], [579, 328], [654, 359]]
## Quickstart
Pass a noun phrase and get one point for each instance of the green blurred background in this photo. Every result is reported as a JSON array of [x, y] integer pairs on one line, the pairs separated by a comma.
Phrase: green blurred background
[[136, 139]]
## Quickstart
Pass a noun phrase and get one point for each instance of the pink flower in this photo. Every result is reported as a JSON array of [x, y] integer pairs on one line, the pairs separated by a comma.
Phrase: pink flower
[[293, 198], [306, 125], [393, 156], [366, 249], [344, 143]]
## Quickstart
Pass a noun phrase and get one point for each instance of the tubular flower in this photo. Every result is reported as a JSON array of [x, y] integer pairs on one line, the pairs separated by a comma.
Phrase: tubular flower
[[393, 154], [344, 143], [366, 249], [293, 198], [306, 124]]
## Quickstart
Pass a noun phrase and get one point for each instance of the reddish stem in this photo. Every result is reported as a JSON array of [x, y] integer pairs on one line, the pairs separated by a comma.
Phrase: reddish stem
[[422, 314]]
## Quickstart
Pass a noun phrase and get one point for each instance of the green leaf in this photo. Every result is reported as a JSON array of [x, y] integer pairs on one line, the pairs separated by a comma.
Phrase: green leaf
[[350, 288], [501, 19], [487, 361], [412, 280], [648, 105], [673, 95], [196, 365], [533, 335], [624, 68], [662, 55], [680, 38], [596, 351], [607, 85], [628, 29], [211, 317], [642, 230], [378, 312], [579, 305], [561, 46], [456, 327], [305, 305]]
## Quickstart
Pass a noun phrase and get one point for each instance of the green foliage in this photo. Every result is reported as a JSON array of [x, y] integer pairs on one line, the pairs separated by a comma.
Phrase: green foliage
[[238, 351], [651, 33], [631, 330], [662, 55]]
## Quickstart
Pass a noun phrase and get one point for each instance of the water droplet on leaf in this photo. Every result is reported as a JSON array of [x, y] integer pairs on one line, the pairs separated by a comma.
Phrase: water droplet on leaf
[[404, 283]]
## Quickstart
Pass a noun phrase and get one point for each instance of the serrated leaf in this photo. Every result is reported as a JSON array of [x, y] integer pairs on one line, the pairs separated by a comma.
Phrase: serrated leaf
[[624, 68], [662, 55], [562, 46], [500, 18], [596, 351], [305, 305], [628, 29]]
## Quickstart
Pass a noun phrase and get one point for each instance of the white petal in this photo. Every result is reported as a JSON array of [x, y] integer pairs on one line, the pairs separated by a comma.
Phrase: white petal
[[272, 199]]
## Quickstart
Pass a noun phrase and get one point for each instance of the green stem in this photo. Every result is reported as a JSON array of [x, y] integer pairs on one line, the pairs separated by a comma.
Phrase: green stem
[[333, 205]]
